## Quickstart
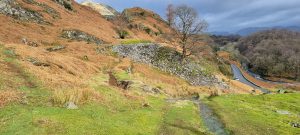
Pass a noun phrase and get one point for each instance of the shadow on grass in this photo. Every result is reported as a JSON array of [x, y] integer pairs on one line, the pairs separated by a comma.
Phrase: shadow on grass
[[184, 126]]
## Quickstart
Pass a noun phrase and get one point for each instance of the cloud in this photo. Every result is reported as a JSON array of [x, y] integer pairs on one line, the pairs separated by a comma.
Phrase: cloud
[[227, 15]]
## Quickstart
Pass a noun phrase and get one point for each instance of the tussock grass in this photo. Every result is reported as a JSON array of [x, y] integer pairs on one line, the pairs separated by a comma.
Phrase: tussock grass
[[78, 96], [134, 41], [9, 96]]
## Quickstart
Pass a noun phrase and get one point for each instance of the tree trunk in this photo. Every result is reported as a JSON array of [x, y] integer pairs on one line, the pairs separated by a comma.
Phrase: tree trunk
[[183, 52]]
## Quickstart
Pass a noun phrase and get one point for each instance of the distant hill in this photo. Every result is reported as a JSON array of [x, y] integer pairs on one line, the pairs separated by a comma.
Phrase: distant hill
[[220, 33], [251, 30], [103, 9]]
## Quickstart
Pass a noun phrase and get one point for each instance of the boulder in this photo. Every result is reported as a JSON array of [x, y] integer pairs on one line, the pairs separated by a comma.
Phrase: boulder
[[67, 4], [71, 105], [55, 48], [29, 43], [146, 105], [123, 84], [78, 35], [295, 124], [281, 91], [283, 112], [36, 62], [149, 89]]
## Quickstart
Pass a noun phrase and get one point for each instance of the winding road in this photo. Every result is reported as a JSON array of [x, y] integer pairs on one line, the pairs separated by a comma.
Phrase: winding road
[[240, 77]]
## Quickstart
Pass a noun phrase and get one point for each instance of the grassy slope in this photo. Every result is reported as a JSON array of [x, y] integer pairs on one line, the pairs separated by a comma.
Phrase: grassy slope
[[116, 113], [247, 114]]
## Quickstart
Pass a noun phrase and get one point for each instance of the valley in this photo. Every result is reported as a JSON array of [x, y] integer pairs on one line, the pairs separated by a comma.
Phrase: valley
[[85, 68]]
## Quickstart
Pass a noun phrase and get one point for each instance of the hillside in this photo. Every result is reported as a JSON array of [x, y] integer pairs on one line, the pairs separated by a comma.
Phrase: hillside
[[252, 30], [65, 68], [59, 75], [146, 24], [45, 21]]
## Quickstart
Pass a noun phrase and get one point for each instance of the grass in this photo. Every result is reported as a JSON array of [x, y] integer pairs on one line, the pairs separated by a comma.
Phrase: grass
[[122, 75], [248, 114], [186, 124], [102, 109], [78, 96], [116, 114], [134, 41]]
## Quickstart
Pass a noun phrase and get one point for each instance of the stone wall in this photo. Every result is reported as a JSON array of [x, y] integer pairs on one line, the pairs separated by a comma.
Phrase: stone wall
[[168, 60]]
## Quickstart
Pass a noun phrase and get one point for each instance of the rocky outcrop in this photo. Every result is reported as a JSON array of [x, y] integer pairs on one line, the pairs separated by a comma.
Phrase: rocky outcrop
[[29, 43], [13, 9], [78, 35], [123, 84], [168, 60], [37, 62], [55, 48], [47, 9], [150, 89], [67, 4]]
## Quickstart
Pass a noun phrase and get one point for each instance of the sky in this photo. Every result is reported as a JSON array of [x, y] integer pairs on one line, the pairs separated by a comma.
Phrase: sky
[[226, 15]]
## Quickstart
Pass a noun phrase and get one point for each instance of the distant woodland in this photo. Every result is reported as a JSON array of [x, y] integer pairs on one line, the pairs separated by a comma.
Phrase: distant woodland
[[273, 53]]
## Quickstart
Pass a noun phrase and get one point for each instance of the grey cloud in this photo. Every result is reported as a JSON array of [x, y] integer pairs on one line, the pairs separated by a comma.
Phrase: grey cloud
[[227, 15]]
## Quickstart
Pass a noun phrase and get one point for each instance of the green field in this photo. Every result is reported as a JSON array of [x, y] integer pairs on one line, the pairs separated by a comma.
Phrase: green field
[[248, 114]]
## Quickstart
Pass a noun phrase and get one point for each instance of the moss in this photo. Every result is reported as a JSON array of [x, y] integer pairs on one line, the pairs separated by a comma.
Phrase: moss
[[134, 41], [166, 53], [147, 30], [122, 33]]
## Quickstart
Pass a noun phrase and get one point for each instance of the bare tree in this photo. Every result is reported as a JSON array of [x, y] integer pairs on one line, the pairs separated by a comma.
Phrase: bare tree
[[170, 14], [188, 26]]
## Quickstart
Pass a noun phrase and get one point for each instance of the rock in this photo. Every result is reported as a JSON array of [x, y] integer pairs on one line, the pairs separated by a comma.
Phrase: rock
[[55, 48], [283, 112], [146, 105], [124, 84], [295, 124], [168, 60], [281, 91], [78, 35], [86, 58], [113, 81], [71, 106], [33, 44], [29, 43], [15, 10], [67, 4], [49, 10], [37, 62], [149, 89], [129, 70]]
